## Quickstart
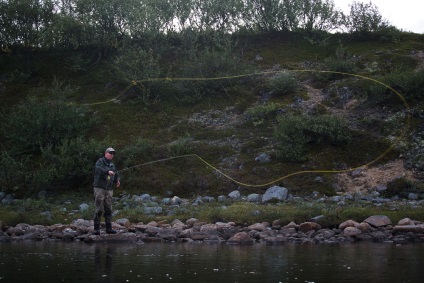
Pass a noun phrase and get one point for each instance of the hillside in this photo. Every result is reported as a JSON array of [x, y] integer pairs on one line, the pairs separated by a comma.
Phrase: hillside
[[233, 127]]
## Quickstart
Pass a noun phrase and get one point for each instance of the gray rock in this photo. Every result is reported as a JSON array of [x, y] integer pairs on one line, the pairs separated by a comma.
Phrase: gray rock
[[378, 220], [275, 193], [235, 195], [176, 200], [254, 198], [166, 201], [352, 232], [83, 207], [263, 158], [123, 222], [317, 218], [356, 173], [145, 197], [8, 200], [380, 188], [241, 238], [412, 196], [222, 198], [153, 210], [137, 199], [336, 198], [208, 199]]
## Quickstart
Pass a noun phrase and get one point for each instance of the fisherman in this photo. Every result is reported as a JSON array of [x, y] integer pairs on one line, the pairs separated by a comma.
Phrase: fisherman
[[105, 177]]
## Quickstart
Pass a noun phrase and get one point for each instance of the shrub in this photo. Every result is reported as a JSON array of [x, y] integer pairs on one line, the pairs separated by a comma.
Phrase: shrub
[[402, 187], [284, 84], [294, 132], [261, 112], [341, 62], [142, 148], [69, 165], [181, 146], [208, 56], [12, 171], [135, 64], [410, 84], [35, 125]]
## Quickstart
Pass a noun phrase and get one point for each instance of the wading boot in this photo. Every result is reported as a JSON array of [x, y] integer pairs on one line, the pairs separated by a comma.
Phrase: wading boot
[[96, 229], [109, 229]]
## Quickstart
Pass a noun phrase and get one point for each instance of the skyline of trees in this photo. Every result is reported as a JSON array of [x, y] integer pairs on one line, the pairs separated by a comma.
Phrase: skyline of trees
[[78, 23]]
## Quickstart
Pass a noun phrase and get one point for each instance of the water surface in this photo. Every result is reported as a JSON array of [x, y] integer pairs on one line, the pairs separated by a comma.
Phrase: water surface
[[172, 262]]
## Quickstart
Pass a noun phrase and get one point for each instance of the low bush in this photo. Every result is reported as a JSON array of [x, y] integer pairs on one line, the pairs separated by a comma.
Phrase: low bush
[[262, 112], [35, 125], [408, 84], [294, 132], [284, 84]]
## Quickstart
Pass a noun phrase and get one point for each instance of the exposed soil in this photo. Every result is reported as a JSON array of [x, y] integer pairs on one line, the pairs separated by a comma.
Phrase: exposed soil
[[364, 179]]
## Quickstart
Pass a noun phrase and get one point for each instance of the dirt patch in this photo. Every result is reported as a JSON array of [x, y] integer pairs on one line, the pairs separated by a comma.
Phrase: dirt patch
[[369, 179], [365, 179]]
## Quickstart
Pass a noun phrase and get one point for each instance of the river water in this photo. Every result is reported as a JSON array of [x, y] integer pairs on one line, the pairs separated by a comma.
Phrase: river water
[[174, 262]]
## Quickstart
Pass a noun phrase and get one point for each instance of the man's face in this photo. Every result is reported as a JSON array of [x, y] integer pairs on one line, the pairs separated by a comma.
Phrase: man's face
[[110, 155]]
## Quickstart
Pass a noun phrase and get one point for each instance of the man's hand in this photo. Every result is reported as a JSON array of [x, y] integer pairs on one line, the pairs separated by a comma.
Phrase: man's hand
[[118, 184]]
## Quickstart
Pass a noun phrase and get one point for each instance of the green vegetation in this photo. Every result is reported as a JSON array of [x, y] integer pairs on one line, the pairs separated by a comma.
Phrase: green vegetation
[[61, 210], [221, 79], [295, 132]]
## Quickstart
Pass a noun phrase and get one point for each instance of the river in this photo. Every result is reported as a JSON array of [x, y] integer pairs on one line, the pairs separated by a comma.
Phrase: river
[[175, 262]]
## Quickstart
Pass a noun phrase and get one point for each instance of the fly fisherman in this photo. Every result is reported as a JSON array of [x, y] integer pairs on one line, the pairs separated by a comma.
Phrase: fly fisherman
[[105, 177]]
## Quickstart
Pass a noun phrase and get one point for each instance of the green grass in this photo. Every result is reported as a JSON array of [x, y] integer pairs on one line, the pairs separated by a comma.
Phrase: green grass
[[242, 213], [163, 122]]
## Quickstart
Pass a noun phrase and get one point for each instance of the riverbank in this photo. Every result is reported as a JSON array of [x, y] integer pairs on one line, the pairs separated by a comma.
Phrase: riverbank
[[275, 217], [377, 228]]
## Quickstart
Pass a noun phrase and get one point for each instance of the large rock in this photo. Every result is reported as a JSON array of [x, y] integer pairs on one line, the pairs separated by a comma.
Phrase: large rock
[[241, 238], [351, 232], [309, 226], [254, 198], [378, 221], [123, 222], [348, 223], [235, 195], [406, 221], [259, 226], [275, 193], [418, 229]]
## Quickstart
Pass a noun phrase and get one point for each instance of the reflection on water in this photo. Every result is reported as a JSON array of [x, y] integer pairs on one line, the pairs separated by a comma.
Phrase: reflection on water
[[80, 262]]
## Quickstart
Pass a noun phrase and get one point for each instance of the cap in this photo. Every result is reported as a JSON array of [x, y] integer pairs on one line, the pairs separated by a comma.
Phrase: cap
[[109, 149]]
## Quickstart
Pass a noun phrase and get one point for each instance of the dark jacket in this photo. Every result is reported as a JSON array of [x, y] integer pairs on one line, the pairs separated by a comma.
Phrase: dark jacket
[[101, 178]]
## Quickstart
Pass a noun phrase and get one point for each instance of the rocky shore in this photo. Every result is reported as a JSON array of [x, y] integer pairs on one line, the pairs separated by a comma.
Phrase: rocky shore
[[377, 228]]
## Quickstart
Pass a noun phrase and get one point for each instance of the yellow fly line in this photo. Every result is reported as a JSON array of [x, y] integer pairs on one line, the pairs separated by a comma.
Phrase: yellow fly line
[[385, 152]]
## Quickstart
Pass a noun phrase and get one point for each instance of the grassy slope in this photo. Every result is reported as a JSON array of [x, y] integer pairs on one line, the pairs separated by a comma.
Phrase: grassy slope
[[164, 122]]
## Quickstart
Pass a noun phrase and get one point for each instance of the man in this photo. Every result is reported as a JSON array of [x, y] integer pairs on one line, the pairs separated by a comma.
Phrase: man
[[105, 176]]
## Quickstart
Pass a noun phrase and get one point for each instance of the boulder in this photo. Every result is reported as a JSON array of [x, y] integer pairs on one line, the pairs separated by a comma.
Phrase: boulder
[[241, 238], [406, 221], [351, 232], [235, 195], [416, 229], [378, 221], [254, 198], [348, 223], [123, 222], [275, 193], [309, 226], [292, 225]]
